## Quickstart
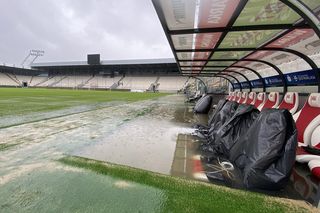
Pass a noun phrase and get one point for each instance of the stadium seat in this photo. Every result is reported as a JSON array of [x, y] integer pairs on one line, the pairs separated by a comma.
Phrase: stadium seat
[[290, 102], [243, 98], [313, 160], [308, 126], [308, 118], [272, 100], [251, 98], [261, 99], [230, 96], [234, 96], [238, 97]]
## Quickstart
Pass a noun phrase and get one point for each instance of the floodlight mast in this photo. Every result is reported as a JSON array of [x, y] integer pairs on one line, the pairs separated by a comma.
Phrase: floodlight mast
[[35, 54]]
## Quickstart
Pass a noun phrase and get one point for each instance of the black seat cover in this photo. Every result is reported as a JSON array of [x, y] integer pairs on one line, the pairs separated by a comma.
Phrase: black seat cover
[[222, 117], [203, 105], [266, 153], [234, 128]]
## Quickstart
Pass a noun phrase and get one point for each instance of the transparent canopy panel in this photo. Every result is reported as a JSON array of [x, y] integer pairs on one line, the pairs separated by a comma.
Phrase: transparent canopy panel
[[256, 66], [260, 54], [240, 70], [281, 58], [191, 63], [212, 69], [302, 40], [197, 41], [229, 55], [261, 12], [239, 77], [190, 68], [242, 39], [215, 13], [312, 4], [192, 55], [220, 63], [249, 74], [179, 14], [181, 42], [242, 63], [206, 40]]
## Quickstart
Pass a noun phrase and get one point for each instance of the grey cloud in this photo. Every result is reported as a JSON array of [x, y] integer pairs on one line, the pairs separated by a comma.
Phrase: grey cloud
[[69, 29]]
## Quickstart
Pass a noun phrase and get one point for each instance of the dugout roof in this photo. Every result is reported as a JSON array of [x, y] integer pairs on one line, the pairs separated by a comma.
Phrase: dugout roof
[[234, 38]]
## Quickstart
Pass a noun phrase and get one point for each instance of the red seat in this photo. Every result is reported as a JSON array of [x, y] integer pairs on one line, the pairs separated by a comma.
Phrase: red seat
[[251, 98], [243, 98], [308, 118], [261, 99], [290, 102], [272, 101], [237, 96], [308, 126], [230, 96], [312, 160]]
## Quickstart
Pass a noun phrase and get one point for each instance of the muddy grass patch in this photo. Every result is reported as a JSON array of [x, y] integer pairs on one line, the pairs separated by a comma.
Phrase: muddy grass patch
[[5, 146], [191, 196]]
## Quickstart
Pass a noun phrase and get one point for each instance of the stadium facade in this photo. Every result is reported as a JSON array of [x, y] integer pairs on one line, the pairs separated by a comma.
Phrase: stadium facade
[[135, 75]]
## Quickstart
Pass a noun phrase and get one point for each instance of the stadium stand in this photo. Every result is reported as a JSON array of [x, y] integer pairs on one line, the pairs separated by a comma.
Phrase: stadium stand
[[137, 82], [130, 82], [6, 80], [167, 83]]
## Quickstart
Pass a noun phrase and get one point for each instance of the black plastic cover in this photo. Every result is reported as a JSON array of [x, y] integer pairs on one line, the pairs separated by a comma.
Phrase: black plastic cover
[[203, 105], [266, 153], [219, 106], [221, 118], [215, 113], [234, 128]]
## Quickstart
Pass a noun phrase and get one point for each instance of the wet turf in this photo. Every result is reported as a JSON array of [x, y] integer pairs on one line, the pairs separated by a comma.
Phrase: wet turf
[[189, 196], [31, 179], [19, 101], [71, 190]]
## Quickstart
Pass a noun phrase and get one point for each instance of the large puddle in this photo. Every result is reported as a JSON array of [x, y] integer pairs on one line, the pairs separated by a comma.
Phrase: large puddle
[[141, 134]]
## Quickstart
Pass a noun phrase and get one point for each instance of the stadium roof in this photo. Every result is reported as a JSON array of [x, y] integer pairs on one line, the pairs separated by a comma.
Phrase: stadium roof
[[231, 38], [107, 62]]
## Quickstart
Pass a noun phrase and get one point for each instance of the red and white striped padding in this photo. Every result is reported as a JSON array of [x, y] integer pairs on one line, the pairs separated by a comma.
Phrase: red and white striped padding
[[290, 102], [238, 96], [308, 119], [230, 96], [308, 126], [261, 99], [252, 97], [314, 164], [244, 97], [272, 101], [234, 98]]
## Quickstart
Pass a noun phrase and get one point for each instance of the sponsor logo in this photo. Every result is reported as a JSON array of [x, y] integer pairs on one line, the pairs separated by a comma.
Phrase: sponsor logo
[[216, 11], [289, 78]]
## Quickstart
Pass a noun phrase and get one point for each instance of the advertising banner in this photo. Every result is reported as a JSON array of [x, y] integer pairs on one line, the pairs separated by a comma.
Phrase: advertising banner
[[307, 77], [216, 13]]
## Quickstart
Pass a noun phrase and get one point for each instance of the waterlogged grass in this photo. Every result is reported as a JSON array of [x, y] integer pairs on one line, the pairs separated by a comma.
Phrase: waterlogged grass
[[19, 101], [190, 196], [5, 146]]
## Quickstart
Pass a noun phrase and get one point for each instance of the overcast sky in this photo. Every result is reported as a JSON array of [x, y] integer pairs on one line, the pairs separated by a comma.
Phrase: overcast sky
[[69, 29]]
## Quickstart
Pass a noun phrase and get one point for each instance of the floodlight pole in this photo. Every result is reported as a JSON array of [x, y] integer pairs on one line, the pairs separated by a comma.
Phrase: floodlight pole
[[25, 59], [35, 53]]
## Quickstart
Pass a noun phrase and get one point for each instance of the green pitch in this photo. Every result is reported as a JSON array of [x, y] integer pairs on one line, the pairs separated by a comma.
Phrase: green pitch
[[20, 101]]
